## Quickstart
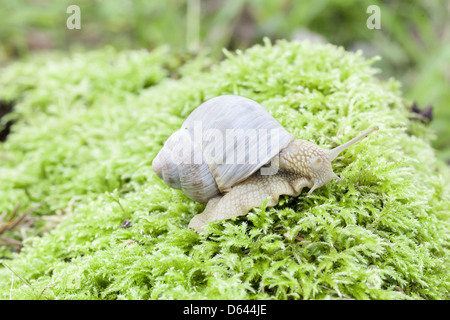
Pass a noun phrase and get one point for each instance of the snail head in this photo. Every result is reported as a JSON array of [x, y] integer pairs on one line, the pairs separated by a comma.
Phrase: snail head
[[309, 160]]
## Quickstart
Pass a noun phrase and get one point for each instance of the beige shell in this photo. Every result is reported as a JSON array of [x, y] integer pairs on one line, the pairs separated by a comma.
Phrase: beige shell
[[221, 143]]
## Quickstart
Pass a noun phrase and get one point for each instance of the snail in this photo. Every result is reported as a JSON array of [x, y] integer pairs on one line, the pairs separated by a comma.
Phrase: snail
[[231, 154]]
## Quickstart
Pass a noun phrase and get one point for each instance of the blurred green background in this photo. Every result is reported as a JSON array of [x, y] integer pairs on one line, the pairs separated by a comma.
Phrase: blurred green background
[[414, 39]]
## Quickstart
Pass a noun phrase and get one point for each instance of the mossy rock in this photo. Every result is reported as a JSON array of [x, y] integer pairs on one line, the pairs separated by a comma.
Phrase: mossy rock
[[87, 128]]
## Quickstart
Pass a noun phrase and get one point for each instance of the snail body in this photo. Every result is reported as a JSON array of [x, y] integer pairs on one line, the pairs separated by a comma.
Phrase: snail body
[[232, 154]]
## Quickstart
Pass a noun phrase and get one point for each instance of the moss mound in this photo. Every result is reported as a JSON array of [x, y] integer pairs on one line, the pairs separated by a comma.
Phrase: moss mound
[[87, 128]]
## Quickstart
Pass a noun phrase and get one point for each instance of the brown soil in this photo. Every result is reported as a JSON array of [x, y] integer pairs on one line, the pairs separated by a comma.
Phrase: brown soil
[[5, 108]]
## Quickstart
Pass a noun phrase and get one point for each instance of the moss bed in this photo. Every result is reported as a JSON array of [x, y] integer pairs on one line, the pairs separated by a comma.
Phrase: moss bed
[[87, 127]]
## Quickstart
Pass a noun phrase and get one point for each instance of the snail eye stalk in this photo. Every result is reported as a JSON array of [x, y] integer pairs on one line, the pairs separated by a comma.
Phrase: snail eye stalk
[[333, 153]]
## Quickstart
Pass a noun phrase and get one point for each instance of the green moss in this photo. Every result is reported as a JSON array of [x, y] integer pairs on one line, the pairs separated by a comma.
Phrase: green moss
[[93, 135]]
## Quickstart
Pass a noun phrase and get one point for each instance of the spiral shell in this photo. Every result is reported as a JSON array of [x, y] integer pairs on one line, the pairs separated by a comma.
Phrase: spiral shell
[[221, 143]]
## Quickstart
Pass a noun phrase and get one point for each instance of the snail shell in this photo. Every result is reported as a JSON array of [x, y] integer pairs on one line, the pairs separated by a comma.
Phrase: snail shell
[[216, 148]]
